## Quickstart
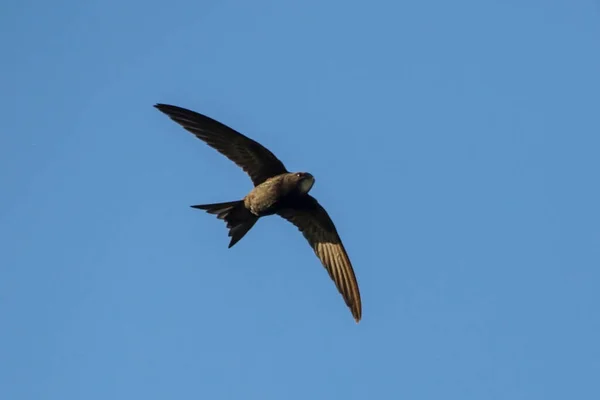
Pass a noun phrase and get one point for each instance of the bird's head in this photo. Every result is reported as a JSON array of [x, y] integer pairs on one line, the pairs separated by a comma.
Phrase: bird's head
[[304, 181]]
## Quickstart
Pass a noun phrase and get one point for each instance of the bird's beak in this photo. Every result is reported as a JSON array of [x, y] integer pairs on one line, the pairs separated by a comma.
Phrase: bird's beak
[[307, 183]]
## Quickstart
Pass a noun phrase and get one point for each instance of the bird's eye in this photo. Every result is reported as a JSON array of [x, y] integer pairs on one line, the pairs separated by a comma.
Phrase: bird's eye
[[299, 174]]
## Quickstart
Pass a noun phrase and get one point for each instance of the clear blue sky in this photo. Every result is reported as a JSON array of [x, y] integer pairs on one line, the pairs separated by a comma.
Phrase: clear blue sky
[[455, 144]]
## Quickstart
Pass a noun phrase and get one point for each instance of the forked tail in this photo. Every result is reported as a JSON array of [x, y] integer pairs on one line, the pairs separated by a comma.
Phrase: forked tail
[[238, 218]]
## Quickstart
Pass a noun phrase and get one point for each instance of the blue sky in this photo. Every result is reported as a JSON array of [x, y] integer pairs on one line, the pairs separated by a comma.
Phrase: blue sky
[[455, 145]]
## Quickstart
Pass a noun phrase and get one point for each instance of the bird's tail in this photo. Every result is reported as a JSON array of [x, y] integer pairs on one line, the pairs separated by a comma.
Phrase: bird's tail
[[238, 218]]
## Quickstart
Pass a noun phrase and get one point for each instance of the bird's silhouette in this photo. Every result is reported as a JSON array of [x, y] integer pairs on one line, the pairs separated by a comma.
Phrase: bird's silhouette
[[276, 191]]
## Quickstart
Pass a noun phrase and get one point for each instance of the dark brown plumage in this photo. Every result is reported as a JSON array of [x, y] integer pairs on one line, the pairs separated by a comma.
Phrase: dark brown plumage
[[276, 191]]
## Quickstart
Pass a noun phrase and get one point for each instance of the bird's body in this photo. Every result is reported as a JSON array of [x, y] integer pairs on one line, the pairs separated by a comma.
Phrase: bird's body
[[281, 192], [271, 195], [276, 191]]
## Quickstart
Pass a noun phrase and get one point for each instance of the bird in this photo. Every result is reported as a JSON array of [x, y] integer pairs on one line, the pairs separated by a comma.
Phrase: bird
[[276, 192]]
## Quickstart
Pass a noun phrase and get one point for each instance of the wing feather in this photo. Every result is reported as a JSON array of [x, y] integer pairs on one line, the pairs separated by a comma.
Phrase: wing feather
[[320, 232], [255, 159]]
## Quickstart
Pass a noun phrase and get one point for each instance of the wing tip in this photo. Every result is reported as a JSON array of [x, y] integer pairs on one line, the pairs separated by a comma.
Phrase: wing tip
[[357, 314], [162, 107]]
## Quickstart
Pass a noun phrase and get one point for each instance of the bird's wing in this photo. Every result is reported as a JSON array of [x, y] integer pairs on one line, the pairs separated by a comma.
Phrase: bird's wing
[[256, 160], [318, 228]]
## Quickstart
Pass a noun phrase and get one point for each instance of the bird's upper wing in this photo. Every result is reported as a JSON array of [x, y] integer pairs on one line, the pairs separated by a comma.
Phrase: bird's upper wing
[[318, 228], [256, 160]]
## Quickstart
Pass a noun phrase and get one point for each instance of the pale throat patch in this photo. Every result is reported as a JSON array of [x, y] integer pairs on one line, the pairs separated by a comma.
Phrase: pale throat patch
[[306, 184]]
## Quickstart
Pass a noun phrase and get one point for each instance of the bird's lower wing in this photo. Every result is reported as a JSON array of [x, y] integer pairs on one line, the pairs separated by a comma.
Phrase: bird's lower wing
[[320, 232]]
